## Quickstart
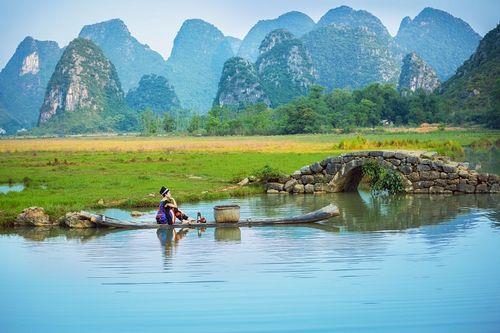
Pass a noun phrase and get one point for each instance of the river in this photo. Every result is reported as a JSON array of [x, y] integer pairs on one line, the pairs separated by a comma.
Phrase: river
[[400, 264]]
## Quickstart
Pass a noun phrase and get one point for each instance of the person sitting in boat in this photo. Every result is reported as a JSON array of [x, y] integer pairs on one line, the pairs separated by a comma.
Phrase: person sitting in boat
[[168, 210]]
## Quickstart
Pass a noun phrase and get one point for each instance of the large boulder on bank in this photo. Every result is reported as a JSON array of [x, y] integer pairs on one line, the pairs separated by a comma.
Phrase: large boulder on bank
[[275, 186], [33, 216], [78, 220], [289, 185]]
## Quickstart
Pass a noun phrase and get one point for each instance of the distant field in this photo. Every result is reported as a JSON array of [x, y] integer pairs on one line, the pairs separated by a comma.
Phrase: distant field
[[271, 144], [69, 174]]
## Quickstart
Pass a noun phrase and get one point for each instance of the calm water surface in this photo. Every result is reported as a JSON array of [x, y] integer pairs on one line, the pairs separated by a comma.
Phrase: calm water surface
[[408, 264], [6, 188]]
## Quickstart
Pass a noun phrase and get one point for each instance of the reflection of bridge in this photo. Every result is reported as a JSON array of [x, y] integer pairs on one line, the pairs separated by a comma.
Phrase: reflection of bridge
[[363, 212], [420, 172]]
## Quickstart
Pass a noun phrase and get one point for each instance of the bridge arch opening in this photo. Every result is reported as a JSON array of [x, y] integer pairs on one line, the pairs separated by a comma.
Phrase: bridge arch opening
[[349, 181], [351, 174]]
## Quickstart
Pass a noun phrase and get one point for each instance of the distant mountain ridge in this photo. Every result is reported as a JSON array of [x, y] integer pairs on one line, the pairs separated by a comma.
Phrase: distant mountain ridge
[[132, 59], [474, 91], [285, 67], [417, 74], [282, 71], [347, 16], [195, 64], [296, 22], [351, 48], [8, 125], [346, 48], [240, 85], [347, 57], [24, 79], [441, 39], [235, 43], [84, 93], [154, 92]]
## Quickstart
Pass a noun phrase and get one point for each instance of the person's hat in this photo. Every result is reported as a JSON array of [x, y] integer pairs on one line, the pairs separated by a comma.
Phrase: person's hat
[[164, 190]]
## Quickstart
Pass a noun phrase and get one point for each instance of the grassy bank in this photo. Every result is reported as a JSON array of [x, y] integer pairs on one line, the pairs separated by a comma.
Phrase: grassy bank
[[84, 173], [66, 181]]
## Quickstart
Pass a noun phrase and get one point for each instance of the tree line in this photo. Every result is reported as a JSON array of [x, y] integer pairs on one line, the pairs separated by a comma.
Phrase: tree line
[[320, 112]]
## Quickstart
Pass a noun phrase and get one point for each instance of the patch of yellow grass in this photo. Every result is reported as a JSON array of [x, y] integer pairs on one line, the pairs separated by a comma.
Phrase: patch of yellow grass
[[307, 143], [423, 128], [174, 144]]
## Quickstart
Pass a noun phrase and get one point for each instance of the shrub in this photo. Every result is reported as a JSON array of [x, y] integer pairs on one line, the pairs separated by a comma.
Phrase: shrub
[[382, 180], [268, 173]]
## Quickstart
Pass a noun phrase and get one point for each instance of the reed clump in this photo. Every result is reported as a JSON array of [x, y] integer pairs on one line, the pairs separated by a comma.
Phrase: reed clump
[[449, 148]]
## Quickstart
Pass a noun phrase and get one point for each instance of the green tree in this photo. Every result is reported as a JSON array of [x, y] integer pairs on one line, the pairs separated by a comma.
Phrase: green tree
[[316, 91], [168, 123], [150, 123], [195, 124]]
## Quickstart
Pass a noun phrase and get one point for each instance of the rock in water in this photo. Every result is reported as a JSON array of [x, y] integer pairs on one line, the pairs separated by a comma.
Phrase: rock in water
[[154, 92], [442, 40], [285, 67], [79, 220], [83, 90], [33, 216], [131, 58], [239, 84], [136, 213], [296, 22], [416, 74], [23, 82]]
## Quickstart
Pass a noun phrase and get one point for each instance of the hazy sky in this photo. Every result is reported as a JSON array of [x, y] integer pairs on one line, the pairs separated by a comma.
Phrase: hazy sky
[[155, 22]]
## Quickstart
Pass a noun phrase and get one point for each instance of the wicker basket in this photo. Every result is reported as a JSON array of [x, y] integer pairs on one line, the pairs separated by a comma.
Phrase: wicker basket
[[227, 214]]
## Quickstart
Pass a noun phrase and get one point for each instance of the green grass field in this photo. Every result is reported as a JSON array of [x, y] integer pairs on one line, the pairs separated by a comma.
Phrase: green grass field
[[70, 174]]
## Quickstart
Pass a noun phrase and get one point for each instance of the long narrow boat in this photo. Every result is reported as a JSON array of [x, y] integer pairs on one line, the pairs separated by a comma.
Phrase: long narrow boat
[[315, 216]]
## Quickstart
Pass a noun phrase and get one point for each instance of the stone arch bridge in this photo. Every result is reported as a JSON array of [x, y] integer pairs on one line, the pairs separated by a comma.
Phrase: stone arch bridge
[[421, 173]]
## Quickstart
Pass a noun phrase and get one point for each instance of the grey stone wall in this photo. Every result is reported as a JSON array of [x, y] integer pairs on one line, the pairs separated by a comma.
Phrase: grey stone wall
[[420, 172]]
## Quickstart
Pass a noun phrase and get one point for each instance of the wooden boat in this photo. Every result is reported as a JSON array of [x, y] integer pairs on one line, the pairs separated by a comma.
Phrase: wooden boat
[[315, 216]]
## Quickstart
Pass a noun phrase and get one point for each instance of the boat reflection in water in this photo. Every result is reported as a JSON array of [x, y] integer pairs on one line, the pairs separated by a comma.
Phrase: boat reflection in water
[[227, 234], [170, 238]]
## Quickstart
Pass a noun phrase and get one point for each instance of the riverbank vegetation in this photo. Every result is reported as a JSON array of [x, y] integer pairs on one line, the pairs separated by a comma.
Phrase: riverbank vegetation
[[68, 174]]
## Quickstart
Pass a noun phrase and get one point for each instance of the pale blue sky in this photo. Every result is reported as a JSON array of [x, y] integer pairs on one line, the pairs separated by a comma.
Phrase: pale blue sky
[[155, 22]]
